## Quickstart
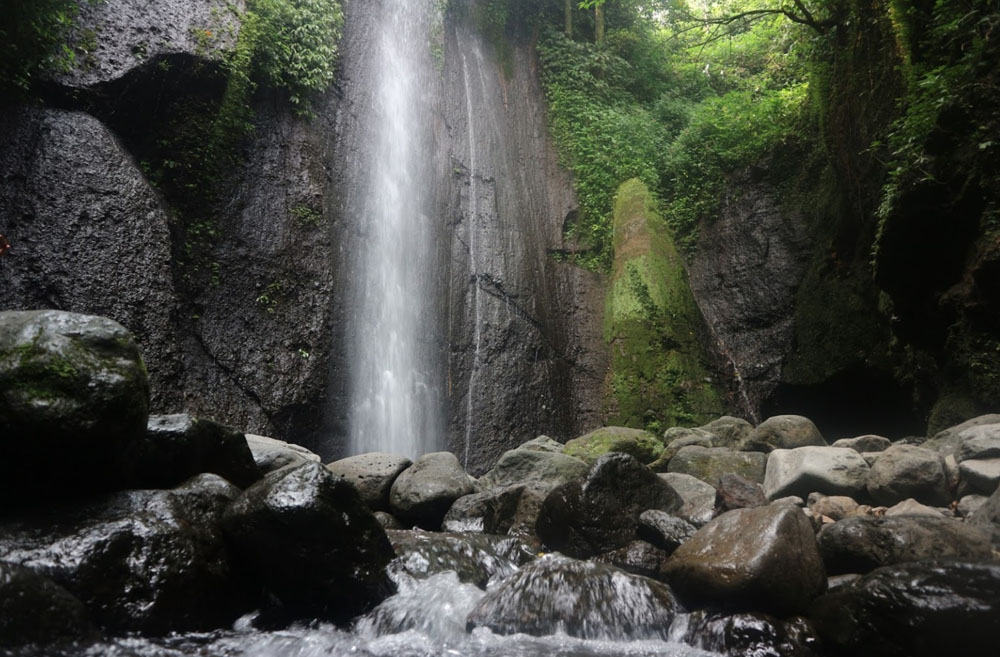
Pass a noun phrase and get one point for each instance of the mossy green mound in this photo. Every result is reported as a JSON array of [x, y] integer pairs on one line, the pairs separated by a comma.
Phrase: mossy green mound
[[658, 374], [638, 443]]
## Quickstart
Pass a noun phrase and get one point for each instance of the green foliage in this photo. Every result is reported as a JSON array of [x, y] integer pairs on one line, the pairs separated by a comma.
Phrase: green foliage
[[34, 37]]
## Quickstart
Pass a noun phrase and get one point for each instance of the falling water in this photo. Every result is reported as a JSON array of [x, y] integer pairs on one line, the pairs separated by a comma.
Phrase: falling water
[[394, 394]]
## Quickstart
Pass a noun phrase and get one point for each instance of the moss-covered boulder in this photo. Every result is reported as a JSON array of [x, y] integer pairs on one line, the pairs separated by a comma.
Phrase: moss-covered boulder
[[658, 375], [643, 445], [74, 396]]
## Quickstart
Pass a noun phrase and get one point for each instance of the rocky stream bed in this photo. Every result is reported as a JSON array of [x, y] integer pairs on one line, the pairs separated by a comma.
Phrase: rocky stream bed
[[128, 534]]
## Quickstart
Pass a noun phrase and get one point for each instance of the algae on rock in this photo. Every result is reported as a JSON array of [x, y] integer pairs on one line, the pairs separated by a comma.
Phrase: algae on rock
[[658, 376]]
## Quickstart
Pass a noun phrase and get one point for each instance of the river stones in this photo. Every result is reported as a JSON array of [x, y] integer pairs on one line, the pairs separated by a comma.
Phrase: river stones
[[987, 518], [835, 507], [980, 475], [784, 432], [372, 475], [151, 561], [708, 464], [307, 538], [862, 543], [979, 442], [765, 558], [905, 471], [584, 599], [867, 443], [74, 396], [805, 470], [919, 609], [643, 445], [542, 444], [663, 530], [36, 610], [675, 438], [424, 492], [601, 512], [728, 431], [638, 558], [529, 466], [948, 441], [178, 447], [271, 454], [756, 634], [475, 558], [698, 498], [491, 512], [735, 492]]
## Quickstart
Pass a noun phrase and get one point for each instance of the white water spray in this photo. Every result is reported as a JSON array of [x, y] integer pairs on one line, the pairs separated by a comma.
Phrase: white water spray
[[395, 399]]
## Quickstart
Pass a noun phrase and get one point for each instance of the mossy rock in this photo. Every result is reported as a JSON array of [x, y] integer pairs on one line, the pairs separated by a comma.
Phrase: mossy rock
[[74, 397], [643, 445], [658, 377]]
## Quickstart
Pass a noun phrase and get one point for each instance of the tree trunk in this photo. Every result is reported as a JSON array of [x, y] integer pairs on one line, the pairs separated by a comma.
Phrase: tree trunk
[[599, 24], [569, 18]]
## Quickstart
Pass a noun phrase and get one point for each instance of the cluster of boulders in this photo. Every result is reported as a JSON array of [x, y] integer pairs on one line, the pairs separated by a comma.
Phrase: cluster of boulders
[[766, 539]]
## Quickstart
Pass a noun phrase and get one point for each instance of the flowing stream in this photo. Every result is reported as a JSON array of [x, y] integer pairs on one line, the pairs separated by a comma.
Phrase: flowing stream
[[395, 397]]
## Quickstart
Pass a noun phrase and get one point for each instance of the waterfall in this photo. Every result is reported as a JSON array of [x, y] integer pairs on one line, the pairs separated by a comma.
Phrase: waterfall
[[394, 394]]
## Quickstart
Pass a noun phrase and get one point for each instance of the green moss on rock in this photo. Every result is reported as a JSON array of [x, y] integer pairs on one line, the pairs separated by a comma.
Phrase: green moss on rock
[[658, 374], [638, 443]]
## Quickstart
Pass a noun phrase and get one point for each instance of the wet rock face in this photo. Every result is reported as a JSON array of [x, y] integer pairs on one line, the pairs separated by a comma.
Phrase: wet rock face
[[759, 635], [74, 396], [762, 558], [306, 537], [863, 543], [555, 594], [120, 35], [601, 512], [88, 233], [921, 609], [36, 610], [148, 561], [476, 559], [745, 273]]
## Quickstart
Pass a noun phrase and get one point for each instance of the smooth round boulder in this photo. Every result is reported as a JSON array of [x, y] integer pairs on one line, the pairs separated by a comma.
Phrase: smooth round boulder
[[271, 454], [784, 432], [980, 442], [697, 497], [529, 466], [836, 507], [372, 475], [601, 513], [806, 470], [34, 610], [862, 543], [643, 445], [980, 475], [867, 443], [490, 512], [735, 492], [424, 492], [638, 558], [178, 447], [710, 463], [675, 438], [542, 444], [764, 558], [663, 530], [919, 609], [556, 594], [905, 471], [307, 538], [150, 561], [732, 432], [949, 440], [74, 397]]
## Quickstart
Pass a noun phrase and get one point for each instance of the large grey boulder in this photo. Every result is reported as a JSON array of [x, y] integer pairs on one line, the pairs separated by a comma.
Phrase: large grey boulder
[[306, 537], [372, 475], [74, 397], [531, 466], [89, 234], [987, 518], [117, 37], [710, 463], [949, 440], [728, 431], [424, 492], [601, 512], [674, 439], [665, 531], [542, 444], [555, 594], [905, 471], [643, 445], [764, 558], [980, 475], [919, 609], [862, 543], [151, 561], [805, 470], [178, 447], [492, 512], [271, 454], [34, 610], [697, 497], [979, 442], [866, 443], [784, 432]]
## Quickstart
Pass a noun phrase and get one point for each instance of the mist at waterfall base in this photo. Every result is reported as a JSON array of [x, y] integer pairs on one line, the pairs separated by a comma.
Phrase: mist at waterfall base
[[425, 618]]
